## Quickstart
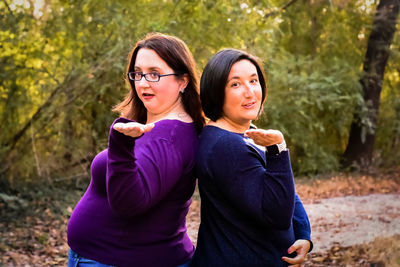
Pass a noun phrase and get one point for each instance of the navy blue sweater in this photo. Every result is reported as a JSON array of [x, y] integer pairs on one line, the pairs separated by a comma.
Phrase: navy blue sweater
[[250, 213]]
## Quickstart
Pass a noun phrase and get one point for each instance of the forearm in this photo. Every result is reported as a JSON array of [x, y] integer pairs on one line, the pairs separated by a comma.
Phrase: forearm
[[125, 189], [301, 223]]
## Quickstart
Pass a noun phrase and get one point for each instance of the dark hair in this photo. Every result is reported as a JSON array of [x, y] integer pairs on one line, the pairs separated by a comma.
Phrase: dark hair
[[178, 57], [215, 76]]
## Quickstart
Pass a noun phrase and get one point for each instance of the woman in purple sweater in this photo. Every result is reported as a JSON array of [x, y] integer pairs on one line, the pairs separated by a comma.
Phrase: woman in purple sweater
[[133, 212]]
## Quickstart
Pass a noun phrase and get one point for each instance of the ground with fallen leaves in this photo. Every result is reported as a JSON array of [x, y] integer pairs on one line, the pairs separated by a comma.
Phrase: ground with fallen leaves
[[33, 224]]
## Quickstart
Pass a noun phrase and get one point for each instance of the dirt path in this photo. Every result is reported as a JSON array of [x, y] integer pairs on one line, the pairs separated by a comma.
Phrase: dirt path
[[340, 221], [351, 220]]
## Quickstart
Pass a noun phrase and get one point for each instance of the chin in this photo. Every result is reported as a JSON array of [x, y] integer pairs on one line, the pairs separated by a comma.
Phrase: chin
[[150, 108], [251, 116]]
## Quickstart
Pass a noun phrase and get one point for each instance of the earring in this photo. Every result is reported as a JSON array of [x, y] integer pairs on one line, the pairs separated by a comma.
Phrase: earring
[[183, 90]]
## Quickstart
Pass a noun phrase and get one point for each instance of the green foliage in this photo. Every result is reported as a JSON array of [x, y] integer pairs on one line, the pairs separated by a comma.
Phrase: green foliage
[[62, 69], [313, 109], [314, 89]]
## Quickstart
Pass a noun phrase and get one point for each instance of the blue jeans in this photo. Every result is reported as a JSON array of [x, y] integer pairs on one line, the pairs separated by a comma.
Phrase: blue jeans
[[76, 260], [186, 264]]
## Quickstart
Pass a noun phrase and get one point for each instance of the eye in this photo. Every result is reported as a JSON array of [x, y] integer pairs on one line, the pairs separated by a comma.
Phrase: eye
[[153, 75], [138, 75], [235, 84], [254, 81]]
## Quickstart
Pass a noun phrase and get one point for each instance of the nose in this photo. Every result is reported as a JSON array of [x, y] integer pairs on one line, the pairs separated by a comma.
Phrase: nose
[[248, 90], [143, 82]]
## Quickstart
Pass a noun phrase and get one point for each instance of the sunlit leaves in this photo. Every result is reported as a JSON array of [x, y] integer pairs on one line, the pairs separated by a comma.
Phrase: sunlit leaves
[[67, 59]]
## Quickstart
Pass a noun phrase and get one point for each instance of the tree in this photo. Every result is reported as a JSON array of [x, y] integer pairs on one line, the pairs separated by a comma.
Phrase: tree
[[313, 70], [62, 69], [359, 149]]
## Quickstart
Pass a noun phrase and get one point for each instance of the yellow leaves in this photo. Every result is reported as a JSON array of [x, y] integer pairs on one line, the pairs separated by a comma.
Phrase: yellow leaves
[[49, 49], [34, 63], [68, 52], [8, 49], [3, 92], [7, 35]]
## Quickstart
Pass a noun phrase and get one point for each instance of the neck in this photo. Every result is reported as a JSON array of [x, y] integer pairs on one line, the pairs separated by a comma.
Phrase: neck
[[176, 111], [230, 125]]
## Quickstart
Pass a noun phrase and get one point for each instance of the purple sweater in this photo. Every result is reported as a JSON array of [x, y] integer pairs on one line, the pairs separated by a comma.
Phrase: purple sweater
[[133, 212]]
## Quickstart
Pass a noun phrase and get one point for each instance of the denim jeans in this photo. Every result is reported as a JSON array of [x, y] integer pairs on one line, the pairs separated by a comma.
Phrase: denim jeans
[[75, 260], [186, 264]]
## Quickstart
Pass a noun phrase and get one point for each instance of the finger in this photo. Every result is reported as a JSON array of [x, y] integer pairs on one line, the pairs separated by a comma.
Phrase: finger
[[250, 134], [129, 125], [295, 260], [255, 136], [301, 252], [134, 127], [138, 130], [293, 248], [262, 140], [132, 130], [119, 126], [259, 133], [252, 131], [289, 260], [148, 127]]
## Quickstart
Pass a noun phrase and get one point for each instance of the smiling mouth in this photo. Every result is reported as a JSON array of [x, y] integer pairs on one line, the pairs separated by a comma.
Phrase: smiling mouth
[[249, 105]]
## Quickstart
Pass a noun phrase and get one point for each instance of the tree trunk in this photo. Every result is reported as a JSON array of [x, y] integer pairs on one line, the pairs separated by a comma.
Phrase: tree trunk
[[362, 132]]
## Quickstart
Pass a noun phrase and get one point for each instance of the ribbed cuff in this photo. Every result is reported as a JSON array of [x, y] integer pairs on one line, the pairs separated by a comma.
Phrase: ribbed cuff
[[279, 162]]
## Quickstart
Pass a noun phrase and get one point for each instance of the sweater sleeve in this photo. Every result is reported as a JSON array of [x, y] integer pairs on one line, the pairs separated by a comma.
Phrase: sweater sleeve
[[301, 224], [264, 193], [135, 184]]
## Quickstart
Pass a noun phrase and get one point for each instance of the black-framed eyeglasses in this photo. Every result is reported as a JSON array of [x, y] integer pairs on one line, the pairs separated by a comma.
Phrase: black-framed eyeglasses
[[150, 77]]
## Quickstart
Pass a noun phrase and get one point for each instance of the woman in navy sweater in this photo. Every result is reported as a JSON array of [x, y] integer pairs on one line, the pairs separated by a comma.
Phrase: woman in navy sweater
[[250, 212]]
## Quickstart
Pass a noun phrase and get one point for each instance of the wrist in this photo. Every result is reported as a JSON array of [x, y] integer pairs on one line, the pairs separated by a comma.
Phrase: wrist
[[311, 245], [277, 148]]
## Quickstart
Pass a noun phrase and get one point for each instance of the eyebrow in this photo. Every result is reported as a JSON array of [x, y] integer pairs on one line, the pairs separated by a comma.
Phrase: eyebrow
[[237, 77], [151, 68]]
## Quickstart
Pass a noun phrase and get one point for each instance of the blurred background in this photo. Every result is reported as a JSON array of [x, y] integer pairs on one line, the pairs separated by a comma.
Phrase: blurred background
[[62, 69], [333, 70]]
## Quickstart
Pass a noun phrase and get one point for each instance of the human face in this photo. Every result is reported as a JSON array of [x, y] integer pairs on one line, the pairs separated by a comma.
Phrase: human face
[[243, 94], [162, 97]]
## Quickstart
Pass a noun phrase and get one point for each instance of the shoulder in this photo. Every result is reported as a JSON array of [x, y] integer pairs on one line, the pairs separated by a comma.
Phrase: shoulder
[[180, 137], [213, 132], [216, 139], [174, 131]]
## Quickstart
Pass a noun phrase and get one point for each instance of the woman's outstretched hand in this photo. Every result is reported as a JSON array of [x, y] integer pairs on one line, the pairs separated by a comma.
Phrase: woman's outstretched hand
[[265, 137], [301, 247], [133, 129]]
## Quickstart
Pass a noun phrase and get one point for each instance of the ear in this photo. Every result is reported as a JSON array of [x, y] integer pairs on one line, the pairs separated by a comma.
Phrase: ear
[[184, 80]]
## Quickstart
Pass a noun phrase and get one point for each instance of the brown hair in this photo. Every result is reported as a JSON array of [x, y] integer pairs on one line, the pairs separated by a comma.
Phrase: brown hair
[[178, 57]]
